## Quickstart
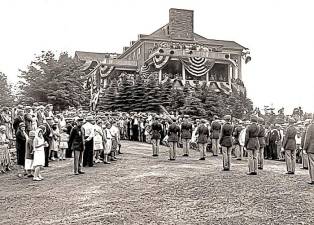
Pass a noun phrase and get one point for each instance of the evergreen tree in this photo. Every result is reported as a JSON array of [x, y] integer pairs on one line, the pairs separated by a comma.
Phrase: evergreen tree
[[5, 91], [152, 97], [138, 95], [109, 99], [165, 94], [124, 99]]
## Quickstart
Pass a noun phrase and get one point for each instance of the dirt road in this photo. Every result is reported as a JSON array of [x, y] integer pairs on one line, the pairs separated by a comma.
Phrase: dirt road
[[140, 189]]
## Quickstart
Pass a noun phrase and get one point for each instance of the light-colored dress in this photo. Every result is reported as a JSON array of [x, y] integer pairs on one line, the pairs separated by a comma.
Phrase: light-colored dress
[[98, 138], [64, 139], [108, 144], [39, 153]]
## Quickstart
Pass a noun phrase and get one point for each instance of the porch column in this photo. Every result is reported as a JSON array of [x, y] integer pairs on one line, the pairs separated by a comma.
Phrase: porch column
[[229, 75], [236, 72], [160, 75], [207, 78], [183, 74]]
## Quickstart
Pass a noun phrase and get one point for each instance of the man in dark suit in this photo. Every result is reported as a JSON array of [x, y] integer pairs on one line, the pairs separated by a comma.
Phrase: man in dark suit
[[225, 141], [289, 145], [305, 158], [186, 134], [173, 138], [309, 148], [203, 134], [76, 143], [214, 133], [48, 139], [252, 145]]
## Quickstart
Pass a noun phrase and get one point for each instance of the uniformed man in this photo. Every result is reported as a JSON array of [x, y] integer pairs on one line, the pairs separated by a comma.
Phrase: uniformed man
[[186, 134], [252, 145], [262, 143], [290, 146], [214, 133], [309, 148], [225, 141], [156, 130], [76, 143], [88, 127], [173, 138], [305, 159], [203, 134], [236, 135]]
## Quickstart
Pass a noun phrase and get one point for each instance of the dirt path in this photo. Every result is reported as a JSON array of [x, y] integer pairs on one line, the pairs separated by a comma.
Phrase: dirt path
[[140, 189]]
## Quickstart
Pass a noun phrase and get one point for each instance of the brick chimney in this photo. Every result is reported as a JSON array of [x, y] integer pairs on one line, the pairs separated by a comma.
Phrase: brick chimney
[[181, 24]]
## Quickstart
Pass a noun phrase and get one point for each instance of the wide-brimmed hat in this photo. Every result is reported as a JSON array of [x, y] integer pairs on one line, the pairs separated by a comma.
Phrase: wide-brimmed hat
[[203, 121], [32, 133], [22, 124], [254, 119], [2, 128], [89, 118], [227, 117], [291, 120]]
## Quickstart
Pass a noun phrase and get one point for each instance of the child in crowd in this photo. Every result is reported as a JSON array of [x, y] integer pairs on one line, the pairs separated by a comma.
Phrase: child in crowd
[[29, 151], [39, 153], [64, 139], [5, 159], [54, 147]]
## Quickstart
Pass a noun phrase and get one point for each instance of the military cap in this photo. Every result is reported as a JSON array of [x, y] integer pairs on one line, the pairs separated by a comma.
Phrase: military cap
[[20, 106], [80, 120], [261, 120], [186, 116], [227, 117], [215, 117], [254, 119], [4, 109], [48, 118], [203, 121], [291, 120]]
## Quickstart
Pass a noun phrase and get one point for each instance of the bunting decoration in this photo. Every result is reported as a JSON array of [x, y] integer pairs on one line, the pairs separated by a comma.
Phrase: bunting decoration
[[223, 86], [160, 61], [198, 66], [105, 70]]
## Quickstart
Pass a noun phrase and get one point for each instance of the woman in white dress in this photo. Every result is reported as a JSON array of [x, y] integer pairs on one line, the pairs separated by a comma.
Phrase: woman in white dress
[[39, 154], [98, 141], [108, 142]]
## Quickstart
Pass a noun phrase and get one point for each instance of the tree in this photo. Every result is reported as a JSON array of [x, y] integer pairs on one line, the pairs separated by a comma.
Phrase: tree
[[152, 97], [108, 100], [5, 91], [138, 95], [58, 81], [124, 96]]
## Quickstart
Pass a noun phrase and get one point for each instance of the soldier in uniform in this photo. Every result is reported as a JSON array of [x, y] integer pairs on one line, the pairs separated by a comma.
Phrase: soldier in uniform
[[203, 135], [305, 161], [262, 143], [76, 143], [289, 145], [215, 131], [225, 141], [173, 138], [186, 134], [156, 135], [252, 145], [236, 143], [309, 148]]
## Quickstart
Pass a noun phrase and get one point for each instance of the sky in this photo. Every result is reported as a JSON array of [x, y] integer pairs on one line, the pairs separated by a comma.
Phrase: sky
[[279, 34]]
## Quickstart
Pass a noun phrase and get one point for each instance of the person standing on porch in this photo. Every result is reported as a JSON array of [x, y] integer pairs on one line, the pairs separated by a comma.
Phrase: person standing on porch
[[186, 135]]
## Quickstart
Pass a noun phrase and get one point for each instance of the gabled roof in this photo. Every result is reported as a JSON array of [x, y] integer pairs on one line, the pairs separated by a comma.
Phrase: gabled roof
[[93, 56]]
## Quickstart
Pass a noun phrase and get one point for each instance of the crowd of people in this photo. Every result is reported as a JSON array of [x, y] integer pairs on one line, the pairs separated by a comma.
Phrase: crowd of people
[[42, 136]]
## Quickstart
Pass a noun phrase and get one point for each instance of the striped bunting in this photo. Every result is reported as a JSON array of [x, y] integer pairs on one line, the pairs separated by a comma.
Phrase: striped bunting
[[160, 61], [105, 70], [198, 66]]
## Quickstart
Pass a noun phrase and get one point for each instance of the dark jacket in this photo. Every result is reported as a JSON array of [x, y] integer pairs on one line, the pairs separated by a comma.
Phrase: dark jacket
[[16, 123], [76, 139], [309, 139], [226, 135], [173, 133], [186, 130], [215, 130], [20, 147], [289, 142], [203, 134], [261, 136], [251, 137], [156, 130], [28, 121]]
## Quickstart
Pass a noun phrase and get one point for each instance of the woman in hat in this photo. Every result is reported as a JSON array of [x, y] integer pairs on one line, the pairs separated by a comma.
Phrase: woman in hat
[[108, 143], [54, 145], [5, 160], [5, 119], [39, 153], [98, 141], [21, 138]]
